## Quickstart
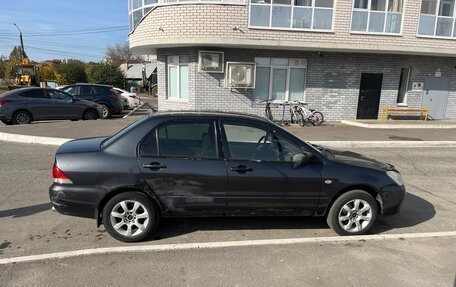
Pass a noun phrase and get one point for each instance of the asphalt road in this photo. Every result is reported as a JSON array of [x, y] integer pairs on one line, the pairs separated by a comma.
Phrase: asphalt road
[[28, 226]]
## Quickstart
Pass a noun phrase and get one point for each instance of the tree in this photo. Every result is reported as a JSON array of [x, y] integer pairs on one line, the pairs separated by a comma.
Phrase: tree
[[119, 54], [71, 72], [47, 72], [16, 55], [2, 67], [108, 74]]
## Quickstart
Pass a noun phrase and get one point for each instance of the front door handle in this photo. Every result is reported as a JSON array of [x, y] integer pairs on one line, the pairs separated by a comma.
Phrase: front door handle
[[241, 169], [154, 165]]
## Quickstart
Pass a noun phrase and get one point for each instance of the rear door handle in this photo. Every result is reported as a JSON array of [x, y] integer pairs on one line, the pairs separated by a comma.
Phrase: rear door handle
[[241, 169], [154, 165]]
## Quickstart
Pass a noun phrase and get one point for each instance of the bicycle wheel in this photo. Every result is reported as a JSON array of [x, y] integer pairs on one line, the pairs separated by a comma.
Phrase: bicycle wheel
[[301, 120], [293, 117], [317, 118]]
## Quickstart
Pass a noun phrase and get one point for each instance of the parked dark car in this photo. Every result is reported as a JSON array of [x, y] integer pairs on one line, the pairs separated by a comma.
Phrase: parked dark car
[[217, 164], [22, 106], [106, 96]]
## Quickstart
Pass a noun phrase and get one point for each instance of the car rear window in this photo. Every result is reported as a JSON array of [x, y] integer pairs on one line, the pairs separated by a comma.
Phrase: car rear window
[[85, 90], [36, 94], [182, 140], [122, 132], [96, 90]]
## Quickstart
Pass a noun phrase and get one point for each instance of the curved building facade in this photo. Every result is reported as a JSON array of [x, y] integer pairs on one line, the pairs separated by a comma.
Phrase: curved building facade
[[346, 58]]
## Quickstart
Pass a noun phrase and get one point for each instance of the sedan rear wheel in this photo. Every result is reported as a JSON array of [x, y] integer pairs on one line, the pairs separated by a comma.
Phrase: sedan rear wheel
[[353, 213], [22, 118], [130, 217], [90, 115], [106, 112]]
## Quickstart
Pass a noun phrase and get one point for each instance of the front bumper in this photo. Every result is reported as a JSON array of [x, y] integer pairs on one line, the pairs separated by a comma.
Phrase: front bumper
[[392, 197], [75, 201]]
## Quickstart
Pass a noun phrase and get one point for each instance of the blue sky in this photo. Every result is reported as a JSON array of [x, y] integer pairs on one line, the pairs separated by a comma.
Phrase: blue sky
[[46, 24]]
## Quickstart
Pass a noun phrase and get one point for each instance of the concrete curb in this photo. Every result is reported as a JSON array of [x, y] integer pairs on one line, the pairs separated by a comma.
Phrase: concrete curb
[[385, 144], [18, 138], [397, 126]]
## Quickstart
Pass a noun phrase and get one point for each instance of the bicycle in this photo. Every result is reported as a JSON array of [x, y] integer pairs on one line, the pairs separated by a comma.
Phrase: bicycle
[[268, 112], [302, 115]]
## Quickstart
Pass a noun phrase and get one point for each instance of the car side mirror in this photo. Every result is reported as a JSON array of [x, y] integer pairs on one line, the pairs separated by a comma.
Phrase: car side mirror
[[74, 100], [301, 159]]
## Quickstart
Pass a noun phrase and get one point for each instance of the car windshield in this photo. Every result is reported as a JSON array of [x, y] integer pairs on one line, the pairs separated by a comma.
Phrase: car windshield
[[125, 130]]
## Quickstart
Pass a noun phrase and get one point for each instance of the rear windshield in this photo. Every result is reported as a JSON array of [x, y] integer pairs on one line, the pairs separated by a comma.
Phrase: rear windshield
[[122, 132]]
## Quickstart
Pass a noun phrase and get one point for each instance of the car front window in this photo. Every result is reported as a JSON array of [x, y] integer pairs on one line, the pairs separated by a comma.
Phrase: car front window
[[71, 90], [252, 143]]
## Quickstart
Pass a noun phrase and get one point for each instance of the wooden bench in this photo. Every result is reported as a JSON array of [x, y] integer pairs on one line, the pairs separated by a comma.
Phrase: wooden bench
[[387, 111]]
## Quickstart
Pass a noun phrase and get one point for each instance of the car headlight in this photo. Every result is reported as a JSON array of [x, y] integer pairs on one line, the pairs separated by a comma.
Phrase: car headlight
[[395, 176]]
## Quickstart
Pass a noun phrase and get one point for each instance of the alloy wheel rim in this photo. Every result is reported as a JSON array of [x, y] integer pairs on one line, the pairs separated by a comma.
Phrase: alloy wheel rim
[[129, 218], [105, 111], [90, 115], [355, 215], [22, 118]]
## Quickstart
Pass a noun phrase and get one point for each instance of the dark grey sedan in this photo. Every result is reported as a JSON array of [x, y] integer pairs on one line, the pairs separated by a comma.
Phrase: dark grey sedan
[[217, 164], [22, 106]]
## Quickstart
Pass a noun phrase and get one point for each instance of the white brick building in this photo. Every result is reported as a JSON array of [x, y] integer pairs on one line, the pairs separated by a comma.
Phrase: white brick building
[[347, 58]]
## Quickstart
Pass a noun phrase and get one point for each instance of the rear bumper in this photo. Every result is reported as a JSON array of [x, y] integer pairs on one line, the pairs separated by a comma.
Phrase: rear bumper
[[392, 199], [75, 201]]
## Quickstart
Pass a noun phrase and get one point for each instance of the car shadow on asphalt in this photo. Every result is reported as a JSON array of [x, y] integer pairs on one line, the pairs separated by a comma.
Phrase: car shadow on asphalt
[[26, 210], [415, 210], [173, 227]]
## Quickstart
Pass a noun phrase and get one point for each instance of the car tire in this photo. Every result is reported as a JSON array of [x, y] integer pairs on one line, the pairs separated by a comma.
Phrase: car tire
[[353, 213], [90, 115], [8, 123], [106, 111], [121, 209], [22, 118]]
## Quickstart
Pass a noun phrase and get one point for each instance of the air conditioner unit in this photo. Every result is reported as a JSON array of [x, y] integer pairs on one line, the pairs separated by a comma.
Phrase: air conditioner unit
[[240, 75], [210, 62]]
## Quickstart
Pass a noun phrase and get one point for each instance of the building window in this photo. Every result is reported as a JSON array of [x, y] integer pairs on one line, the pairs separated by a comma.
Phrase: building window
[[280, 79], [314, 15], [437, 18], [403, 86], [178, 77], [377, 16]]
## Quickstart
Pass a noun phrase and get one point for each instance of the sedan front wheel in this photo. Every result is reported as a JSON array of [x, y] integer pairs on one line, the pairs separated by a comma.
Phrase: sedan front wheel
[[353, 213], [90, 115]]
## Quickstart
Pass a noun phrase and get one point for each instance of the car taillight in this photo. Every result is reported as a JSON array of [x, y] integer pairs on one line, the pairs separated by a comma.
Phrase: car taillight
[[133, 97], [59, 176], [2, 102], [114, 96]]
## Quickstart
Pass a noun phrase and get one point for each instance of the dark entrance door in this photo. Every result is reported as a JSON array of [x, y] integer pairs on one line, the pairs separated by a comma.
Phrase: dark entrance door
[[369, 96]]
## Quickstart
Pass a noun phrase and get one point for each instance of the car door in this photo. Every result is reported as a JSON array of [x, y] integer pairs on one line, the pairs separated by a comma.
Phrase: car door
[[64, 106], [261, 176], [38, 102], [181, 163]]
